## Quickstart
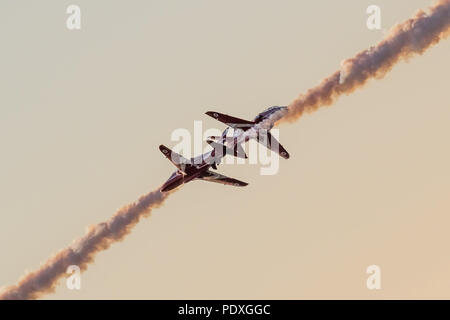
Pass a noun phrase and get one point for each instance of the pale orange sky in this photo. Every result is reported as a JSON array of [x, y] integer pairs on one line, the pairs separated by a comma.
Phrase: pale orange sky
[[82, 114]]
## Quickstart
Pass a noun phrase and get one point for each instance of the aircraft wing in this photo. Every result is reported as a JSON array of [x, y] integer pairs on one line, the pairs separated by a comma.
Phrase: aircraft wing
[[271, 143], [218, 178], [178, 160], [231, 121]]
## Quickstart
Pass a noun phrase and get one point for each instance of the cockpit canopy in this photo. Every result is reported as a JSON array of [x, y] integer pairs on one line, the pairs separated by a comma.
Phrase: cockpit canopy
[[263, 115]]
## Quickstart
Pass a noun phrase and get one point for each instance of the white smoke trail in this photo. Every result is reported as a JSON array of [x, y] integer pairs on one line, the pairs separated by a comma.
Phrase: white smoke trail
[[412, 37], [83, 250]]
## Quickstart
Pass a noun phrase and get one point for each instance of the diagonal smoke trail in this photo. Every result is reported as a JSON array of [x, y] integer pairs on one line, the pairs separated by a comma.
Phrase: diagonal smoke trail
[[83, 250], [412, 37]]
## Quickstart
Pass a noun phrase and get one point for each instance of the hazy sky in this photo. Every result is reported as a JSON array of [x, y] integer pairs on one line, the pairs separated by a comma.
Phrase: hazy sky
[[82, 114]]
